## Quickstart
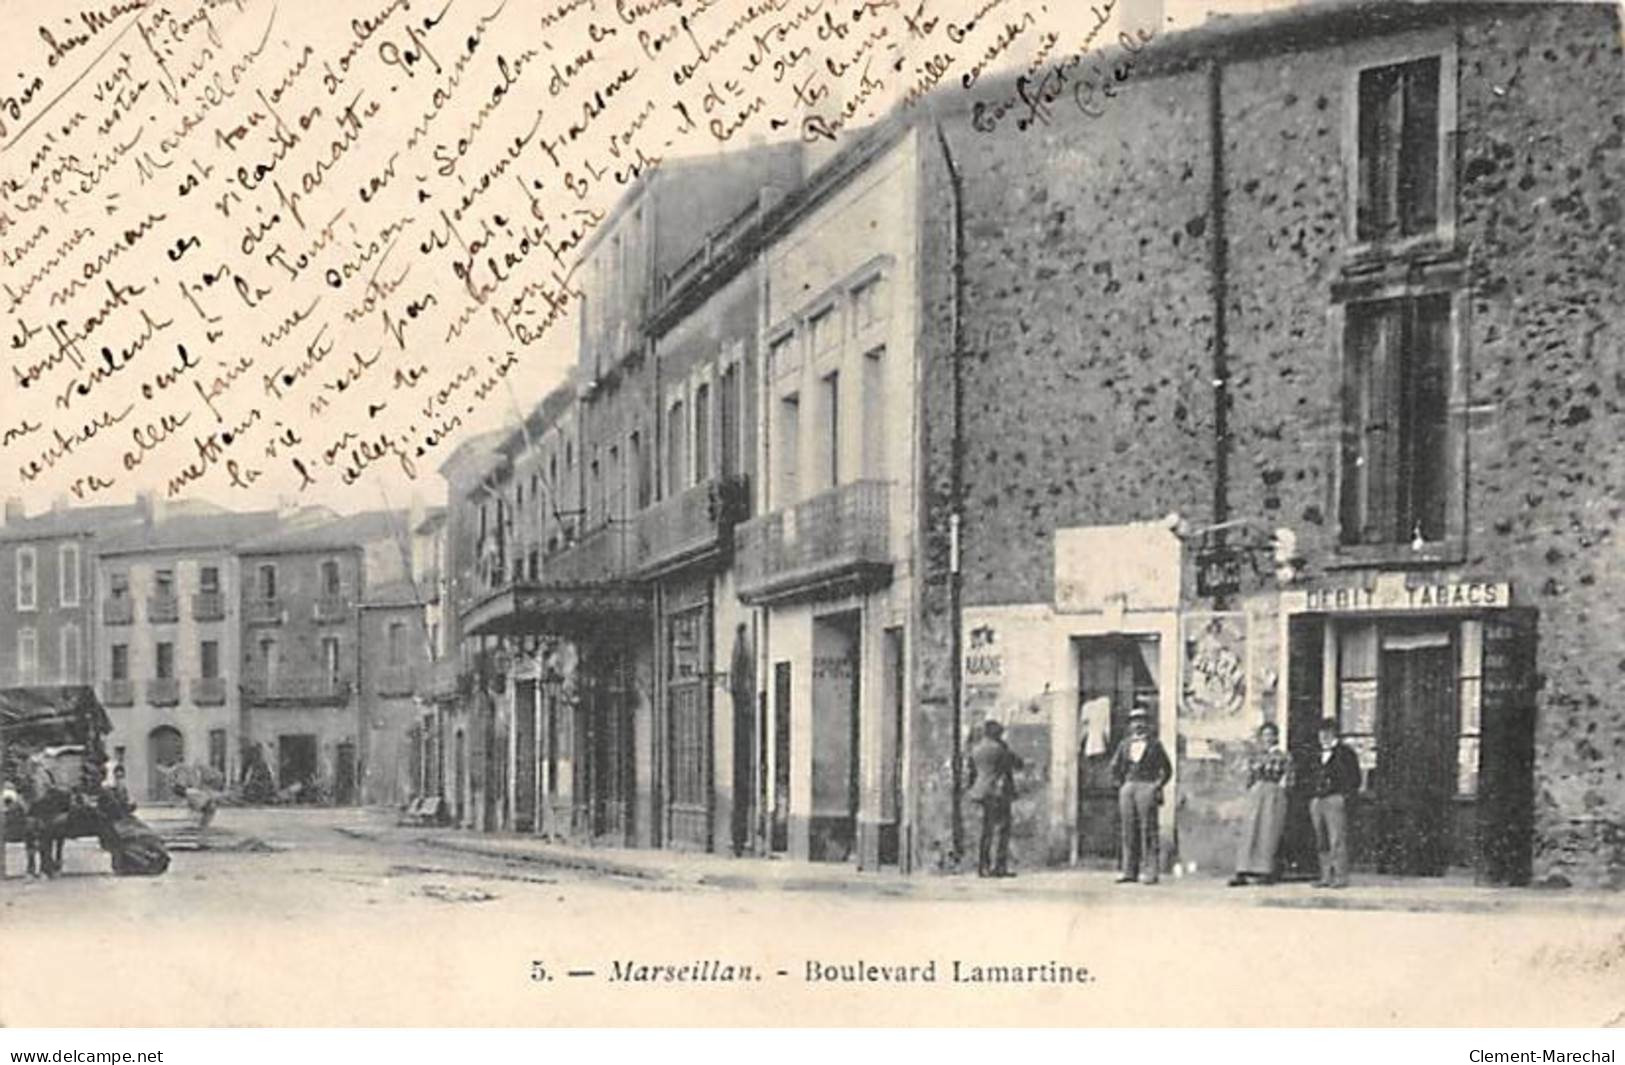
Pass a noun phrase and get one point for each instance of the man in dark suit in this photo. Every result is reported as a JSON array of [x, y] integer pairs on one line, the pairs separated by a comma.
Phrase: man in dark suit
[[1141, 769], [992, 785], [1336, 780]]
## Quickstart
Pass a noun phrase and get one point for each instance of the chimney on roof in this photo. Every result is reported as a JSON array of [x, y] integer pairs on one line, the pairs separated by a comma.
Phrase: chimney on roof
[[150, 507], [14, 510], [59, 504]]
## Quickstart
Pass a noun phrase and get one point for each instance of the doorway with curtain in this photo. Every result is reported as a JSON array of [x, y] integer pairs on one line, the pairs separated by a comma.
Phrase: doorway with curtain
[[1114, 673]]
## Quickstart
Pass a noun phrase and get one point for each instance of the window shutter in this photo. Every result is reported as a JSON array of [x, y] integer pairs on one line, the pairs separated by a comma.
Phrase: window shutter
[[1419, 147]]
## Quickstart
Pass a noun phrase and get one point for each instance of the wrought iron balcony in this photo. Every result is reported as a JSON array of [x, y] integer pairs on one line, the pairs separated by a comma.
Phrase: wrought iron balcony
[[306, 689], [162, 609], [832, 544], [163, 691], [208, 691], [262, 611], [118, 692], [591, 583], [330, 608], [118, 610], [208, 606], [690, 526]]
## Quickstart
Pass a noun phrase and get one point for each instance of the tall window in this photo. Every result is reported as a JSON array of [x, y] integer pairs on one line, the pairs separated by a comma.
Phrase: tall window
[[822, 329], [728, 421], [27, 655], [68, 574], [120, 666], [676, 430], [330, 578], [789, 450], [68, 661], [1399, 150], [874, 414], [397, 643], [209, 580], [118, 585], [268, 659], [209, 659], [869, 302], [217, 750], [702, 434], [164, 655], [163, 583], [267, 582], [1396, 432], [27, 579], [832, 429], [639, 460], [330, 657]]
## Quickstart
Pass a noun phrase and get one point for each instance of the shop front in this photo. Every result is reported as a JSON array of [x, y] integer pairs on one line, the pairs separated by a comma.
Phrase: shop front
[[1431, 682]]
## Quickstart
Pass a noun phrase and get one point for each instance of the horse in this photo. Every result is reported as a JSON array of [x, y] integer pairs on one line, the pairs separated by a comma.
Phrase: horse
[[19, 822]]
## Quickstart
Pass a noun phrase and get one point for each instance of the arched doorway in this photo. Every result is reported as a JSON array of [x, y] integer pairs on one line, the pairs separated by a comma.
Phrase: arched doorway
[[165, 748]]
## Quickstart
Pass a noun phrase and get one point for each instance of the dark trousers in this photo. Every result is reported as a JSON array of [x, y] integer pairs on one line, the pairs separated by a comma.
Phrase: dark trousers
[[994, 855], [1329, 813], [1142, 847]]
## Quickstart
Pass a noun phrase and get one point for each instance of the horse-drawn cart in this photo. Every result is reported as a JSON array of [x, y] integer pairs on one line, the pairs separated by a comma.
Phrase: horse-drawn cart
[[52, 768]]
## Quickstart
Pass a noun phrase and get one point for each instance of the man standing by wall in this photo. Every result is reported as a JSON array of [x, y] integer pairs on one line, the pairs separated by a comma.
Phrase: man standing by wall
[[1141, 769], [992, 785], [1336, 780]]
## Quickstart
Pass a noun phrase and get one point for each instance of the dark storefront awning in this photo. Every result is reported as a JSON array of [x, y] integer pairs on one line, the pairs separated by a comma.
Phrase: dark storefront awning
[[558, 608]]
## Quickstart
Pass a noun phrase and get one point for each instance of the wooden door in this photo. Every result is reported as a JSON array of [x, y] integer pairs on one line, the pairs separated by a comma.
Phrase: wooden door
[[1416, 740]]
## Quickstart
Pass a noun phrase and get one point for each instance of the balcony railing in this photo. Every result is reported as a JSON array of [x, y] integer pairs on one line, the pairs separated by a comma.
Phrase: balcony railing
[[298, 688], [838, 540], [118, 610], [163, 691], [331, 608], [606, 553], [208, 606], [208, 691], [690, 524], [162, 609], [118, 692], [262, 611]]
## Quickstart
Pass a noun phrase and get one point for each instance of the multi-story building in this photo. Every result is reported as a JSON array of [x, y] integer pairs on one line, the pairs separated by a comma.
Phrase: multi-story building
[[1242, 393], [166, 641], [48, 592], [601, 530], [327, 662]]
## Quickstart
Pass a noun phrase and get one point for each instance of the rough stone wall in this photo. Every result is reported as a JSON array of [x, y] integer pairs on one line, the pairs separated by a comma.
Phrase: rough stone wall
[[1542, 181], [1088, 326]]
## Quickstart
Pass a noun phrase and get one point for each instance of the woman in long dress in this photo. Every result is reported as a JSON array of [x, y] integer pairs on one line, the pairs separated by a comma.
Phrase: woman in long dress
[[1269, 775]]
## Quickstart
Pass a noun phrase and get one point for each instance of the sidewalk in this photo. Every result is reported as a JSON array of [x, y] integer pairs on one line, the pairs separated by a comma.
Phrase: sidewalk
[[681, 869]]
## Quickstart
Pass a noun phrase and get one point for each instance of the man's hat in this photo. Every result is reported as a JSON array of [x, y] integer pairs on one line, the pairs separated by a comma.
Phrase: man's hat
[[1328, 724]]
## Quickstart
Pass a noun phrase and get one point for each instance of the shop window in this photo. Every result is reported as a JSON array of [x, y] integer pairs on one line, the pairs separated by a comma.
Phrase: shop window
[[1399, 158], [1397, 462], [1357, 655], [1470, 689]]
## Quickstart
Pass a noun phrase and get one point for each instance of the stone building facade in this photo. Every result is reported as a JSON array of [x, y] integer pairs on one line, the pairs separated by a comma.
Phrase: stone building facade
[[1283, 392]]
